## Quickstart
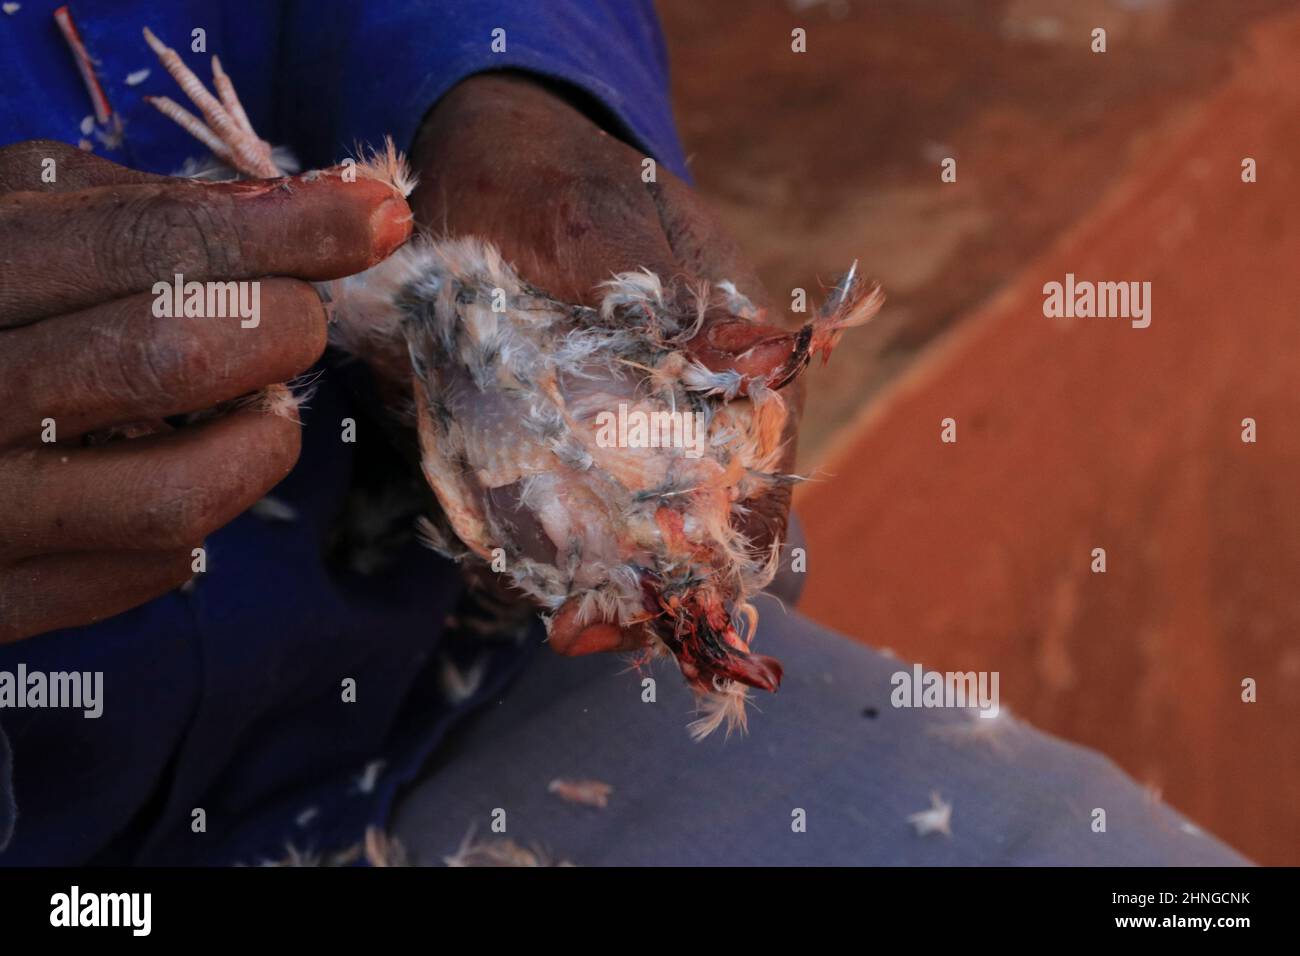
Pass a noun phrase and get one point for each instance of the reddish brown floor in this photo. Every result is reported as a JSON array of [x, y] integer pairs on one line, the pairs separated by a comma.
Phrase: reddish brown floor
[[976, 555], [818, 159]]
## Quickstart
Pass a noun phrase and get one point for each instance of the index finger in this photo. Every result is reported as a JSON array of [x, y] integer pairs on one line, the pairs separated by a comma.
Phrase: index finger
[[68, 251]]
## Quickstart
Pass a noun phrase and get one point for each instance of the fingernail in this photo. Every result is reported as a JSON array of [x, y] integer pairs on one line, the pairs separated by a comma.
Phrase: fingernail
[[596, 639], [390, 226]]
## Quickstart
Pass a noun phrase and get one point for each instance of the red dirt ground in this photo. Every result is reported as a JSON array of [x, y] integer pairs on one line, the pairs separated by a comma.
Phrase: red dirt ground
[[817, 159], [1095, 434]]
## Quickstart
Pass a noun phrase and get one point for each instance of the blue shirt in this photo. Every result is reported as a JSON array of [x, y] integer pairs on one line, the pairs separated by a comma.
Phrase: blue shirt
[[228, 697]]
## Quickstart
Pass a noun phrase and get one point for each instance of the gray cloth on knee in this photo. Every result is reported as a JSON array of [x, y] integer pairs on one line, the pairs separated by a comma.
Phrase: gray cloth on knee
[[828, 748]]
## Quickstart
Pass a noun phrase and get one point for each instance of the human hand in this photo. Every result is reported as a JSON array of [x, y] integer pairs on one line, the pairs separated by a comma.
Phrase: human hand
[[503, 158], [88, 532]]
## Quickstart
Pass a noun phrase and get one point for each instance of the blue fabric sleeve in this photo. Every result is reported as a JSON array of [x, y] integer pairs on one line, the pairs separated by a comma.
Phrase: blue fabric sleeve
[[374, 69]]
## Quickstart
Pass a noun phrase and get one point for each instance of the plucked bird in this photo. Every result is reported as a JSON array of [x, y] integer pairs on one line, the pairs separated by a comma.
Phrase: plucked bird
[[512, 394]]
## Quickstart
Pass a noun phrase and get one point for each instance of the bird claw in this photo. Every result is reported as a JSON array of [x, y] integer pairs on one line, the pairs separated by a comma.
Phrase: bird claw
[[227, 132]]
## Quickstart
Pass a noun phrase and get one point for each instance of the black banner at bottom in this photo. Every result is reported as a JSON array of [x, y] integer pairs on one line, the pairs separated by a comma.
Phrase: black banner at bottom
[[334, 906]]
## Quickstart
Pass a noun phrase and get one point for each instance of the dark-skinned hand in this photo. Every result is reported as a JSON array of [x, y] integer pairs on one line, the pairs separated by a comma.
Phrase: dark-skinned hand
[[88, 532], [503, 158]]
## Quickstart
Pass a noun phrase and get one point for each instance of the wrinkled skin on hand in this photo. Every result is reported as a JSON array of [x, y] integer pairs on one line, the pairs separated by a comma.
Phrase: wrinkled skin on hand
[[87, 532], [505, 159]]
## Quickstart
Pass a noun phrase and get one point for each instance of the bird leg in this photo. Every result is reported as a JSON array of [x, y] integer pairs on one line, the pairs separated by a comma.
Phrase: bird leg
[[227, 132]]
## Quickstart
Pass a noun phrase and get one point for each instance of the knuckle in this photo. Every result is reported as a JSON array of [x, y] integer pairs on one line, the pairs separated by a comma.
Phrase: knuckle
[[180, 517], [18, 153], [151, 365], [204, 495], [158, 234], [23, 152], [604, 193]]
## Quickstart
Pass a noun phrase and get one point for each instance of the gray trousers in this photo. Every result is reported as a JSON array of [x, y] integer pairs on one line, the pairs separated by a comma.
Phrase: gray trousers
[[829, 774]]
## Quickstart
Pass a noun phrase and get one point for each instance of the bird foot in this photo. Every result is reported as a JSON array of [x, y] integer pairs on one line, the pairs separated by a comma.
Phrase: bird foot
[[227, 132]]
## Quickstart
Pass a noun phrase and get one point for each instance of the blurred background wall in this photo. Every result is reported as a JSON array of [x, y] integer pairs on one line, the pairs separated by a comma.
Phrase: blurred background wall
[[1071, 435]]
